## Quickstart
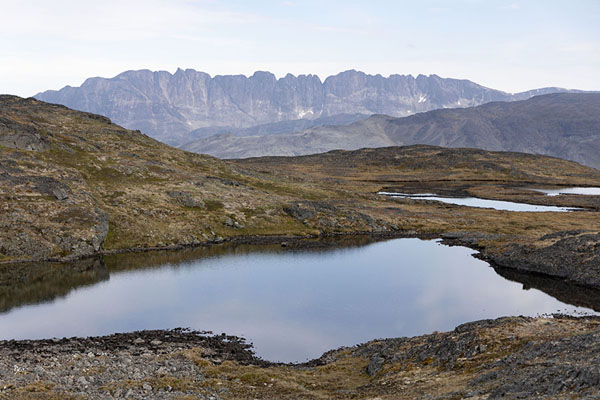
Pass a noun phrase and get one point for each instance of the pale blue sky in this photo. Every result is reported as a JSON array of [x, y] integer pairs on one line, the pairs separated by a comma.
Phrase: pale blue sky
[[508, 45]]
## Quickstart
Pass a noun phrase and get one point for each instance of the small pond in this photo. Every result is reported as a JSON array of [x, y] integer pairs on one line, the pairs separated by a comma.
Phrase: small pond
[[293, 304], [590, 191], [482, 203]]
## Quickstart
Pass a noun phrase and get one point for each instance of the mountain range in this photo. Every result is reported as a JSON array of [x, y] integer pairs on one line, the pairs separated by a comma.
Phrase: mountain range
[[187, 105], [565, 125]]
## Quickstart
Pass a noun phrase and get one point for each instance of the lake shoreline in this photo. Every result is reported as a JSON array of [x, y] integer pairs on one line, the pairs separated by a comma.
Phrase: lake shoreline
[[554, 356], [562, 258]]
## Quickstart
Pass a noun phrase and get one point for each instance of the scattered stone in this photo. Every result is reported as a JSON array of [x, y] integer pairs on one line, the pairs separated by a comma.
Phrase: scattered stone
[[60, 194], [232, 223], [515, 357], [186, 199]]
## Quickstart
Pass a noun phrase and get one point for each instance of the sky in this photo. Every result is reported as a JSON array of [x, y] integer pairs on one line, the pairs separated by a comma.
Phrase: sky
[[507, 45]]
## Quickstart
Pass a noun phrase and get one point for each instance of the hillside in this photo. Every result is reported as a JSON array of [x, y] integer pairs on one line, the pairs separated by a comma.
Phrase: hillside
[[73, 184], [276, 128], [170, 106], [561, 125]]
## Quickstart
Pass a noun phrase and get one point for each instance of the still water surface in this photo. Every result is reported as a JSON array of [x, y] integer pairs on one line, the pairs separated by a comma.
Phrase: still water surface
[[482, 203], [292, 304], [589, 191]]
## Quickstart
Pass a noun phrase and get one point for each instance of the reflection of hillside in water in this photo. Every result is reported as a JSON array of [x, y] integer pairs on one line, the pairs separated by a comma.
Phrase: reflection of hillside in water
[[559, 289], [178, 258], [37, 283], [43, 282]]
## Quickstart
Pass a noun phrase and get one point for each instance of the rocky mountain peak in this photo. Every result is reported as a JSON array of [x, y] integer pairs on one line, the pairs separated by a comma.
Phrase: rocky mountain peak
[[170, 106]]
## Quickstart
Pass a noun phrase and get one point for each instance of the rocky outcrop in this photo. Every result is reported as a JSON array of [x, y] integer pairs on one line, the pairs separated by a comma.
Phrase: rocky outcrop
[[168, 106], [48, 216], [21, 136], [571, 255]]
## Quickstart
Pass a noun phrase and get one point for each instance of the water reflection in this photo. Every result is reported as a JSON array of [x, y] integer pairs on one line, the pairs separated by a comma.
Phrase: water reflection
[[560, 289], [44, 282], [293, 304], [482, 203]]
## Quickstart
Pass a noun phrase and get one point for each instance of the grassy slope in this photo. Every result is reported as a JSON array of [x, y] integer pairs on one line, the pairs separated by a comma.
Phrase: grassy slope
[[156, 196], [129, 176], [493, 175]]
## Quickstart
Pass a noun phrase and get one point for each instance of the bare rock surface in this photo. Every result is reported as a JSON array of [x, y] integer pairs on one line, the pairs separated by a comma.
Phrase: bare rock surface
[[179, 107]]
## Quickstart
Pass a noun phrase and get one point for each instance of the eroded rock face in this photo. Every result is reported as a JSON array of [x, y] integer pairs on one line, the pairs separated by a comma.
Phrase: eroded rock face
[[168, 106], [20, 136]]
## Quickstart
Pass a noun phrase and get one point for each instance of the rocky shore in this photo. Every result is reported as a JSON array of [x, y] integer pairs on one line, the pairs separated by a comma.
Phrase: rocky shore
[[515, 357], [75, 186]]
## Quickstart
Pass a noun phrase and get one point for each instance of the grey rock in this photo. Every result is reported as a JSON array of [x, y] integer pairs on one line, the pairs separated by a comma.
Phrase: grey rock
[[375, 365], [232, 223], [186, 199], [60, 194], [21, 136], [168, 106], [575, 256], [228, 222], [101, 229]]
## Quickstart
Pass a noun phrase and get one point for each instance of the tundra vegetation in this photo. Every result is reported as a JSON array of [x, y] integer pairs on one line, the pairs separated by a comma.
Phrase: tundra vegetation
[[74, 185]]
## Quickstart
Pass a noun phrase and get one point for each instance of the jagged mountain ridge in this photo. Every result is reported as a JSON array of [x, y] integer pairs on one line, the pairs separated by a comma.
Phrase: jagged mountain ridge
[[168, 106], [565, 125]]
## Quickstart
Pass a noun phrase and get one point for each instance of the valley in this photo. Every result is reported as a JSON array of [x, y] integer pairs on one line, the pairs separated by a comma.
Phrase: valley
[[76, 188]]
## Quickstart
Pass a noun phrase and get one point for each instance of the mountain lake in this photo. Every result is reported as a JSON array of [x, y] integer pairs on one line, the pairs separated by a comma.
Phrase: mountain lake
[[481, 203], [292, 303]]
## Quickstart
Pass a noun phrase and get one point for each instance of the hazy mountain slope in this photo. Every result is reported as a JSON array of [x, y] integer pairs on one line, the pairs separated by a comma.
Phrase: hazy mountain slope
[[563, 125], [168, 106], [276, 128]]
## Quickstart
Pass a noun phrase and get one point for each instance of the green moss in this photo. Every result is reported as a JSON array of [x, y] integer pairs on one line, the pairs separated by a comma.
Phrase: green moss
[[116, 239], [213, 205]]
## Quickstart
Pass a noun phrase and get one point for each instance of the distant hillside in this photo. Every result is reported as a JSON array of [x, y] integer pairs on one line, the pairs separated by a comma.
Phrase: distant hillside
[[277, 128], [169, 106], [563, 125]]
